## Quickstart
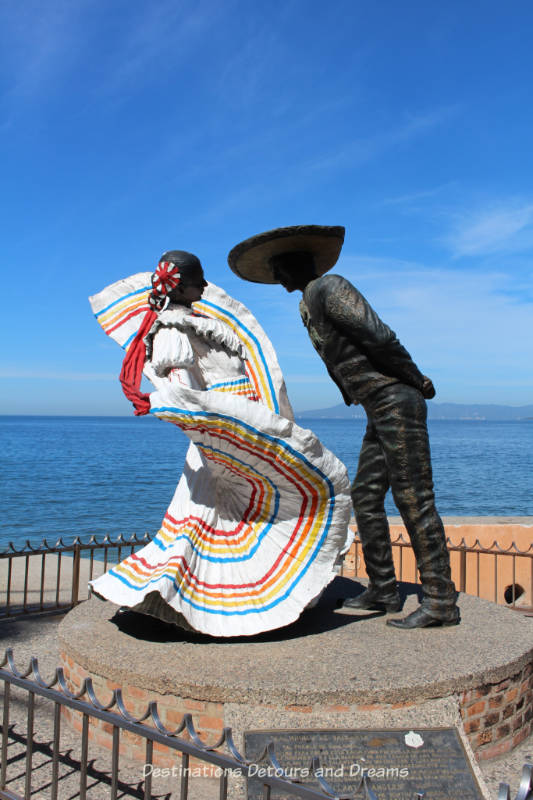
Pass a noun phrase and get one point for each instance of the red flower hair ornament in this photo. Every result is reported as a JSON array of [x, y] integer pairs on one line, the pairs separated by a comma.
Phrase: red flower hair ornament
[[165, 278]]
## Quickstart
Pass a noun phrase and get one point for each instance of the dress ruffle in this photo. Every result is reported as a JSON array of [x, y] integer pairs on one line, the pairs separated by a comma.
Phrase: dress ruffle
[[181, 319]]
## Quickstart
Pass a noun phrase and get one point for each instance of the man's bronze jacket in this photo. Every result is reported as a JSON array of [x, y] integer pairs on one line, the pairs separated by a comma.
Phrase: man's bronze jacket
[[361, 353]]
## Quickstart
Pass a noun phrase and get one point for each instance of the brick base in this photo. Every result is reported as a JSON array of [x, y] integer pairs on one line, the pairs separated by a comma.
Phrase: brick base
[[496, 717], [208, 717]]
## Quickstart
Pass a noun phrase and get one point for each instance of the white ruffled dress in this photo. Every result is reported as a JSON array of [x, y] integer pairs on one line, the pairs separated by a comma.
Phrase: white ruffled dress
[[259, 519]]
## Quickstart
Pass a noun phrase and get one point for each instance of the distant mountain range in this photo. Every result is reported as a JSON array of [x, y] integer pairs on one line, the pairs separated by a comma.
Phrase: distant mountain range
[[435, 411]]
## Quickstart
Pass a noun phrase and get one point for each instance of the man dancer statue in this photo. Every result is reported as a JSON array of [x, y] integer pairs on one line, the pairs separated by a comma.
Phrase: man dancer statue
[[370, 367]]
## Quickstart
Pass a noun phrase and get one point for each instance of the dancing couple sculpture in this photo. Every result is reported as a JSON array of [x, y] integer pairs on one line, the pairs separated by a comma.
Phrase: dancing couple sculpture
[[258, 524]]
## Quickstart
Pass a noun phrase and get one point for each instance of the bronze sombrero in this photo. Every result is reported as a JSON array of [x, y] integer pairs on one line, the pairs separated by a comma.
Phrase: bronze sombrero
[[251, 259]]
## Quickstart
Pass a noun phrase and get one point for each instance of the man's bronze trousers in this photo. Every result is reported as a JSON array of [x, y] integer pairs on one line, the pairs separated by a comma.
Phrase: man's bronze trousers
[[395, 453]]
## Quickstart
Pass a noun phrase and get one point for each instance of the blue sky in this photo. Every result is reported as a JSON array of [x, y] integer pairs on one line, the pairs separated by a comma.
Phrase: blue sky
[[130, 128]]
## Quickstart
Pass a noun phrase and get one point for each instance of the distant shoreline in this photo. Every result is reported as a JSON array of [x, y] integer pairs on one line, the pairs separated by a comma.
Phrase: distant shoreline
[[456, 412], [445, 412], [303, 415]]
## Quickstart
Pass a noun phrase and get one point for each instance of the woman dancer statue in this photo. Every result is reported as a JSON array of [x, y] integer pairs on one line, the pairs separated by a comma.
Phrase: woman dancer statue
[[260, 515]]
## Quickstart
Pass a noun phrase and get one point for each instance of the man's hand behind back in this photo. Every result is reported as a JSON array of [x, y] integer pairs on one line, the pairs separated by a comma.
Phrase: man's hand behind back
[[428, 390]]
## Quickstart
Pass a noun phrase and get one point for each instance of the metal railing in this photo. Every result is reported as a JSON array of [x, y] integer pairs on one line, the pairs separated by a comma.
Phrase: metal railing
[[151, 729], [47, 577], [525, 790], [501, 574]]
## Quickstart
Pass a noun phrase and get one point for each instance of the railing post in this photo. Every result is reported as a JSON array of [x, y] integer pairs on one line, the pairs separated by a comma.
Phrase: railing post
[[5, 734], [462, 570], [531, 582], [76, 574]]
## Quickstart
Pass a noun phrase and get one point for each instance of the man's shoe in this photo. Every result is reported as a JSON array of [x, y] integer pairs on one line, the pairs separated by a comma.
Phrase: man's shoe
[[372, 600], [420, 619]]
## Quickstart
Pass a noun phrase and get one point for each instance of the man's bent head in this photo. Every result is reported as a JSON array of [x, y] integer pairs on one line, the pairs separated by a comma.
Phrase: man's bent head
[[294, 270], [292, 256]]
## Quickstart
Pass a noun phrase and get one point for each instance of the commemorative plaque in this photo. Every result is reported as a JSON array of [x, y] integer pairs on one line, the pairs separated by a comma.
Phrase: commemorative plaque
[[400, 763]]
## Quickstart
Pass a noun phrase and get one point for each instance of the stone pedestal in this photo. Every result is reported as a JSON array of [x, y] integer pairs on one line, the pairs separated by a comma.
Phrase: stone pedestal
[[330, 669]]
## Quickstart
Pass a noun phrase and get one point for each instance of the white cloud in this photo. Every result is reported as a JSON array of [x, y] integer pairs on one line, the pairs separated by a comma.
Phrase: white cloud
[[493, 231], [361, 150], [44, 44], [469, 330], [413, 198], [39, 43], [297, 174], [166, 33]]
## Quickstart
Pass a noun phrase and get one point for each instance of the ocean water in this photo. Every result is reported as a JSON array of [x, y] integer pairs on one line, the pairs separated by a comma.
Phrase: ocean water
[[78, 476]]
